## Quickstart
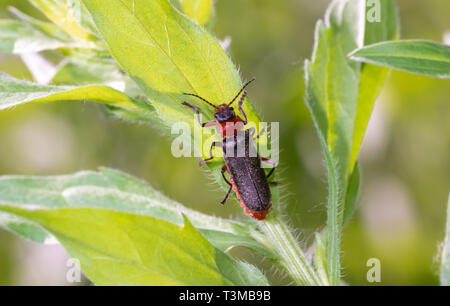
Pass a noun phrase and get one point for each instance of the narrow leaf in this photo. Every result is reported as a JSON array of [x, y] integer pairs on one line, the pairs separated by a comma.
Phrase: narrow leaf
[[341, 94], [14, 92], [25, 228], [331, 96], [416, 56], [333, 80], [352, 193], [48, 28], [18, 37], [372, 77]]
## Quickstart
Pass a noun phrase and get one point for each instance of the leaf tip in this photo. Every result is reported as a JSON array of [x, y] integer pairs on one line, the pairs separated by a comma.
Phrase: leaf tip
[[186, 222]]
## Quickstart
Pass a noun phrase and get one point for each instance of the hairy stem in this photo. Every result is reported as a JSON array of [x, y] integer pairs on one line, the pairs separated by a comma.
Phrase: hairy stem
[[278, 237]]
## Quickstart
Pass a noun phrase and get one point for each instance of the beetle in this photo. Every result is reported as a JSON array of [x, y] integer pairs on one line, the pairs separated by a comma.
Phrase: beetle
[[247, 178]]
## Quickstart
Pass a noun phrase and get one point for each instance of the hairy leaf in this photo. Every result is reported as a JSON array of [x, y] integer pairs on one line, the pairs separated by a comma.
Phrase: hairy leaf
[[340, 95], [115, 190], [168, 54], [334, 223], [118, 248], [352, 193]]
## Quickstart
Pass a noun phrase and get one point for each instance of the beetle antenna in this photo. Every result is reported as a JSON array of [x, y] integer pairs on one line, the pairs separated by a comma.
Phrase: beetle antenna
[[242, 89], [204, 100]]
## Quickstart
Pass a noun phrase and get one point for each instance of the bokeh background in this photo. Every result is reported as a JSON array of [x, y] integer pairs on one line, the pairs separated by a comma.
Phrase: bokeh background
[[405, 158]]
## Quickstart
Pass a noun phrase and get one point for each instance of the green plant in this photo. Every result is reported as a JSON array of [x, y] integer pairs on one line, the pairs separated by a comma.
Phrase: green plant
[[156, 50]]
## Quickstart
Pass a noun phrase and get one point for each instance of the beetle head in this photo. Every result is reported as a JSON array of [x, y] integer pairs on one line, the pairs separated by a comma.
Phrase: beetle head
[[224, 113]]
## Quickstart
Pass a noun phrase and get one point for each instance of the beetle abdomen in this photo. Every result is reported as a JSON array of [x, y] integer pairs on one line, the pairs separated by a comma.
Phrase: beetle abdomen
[[247, 177], [259, 215]]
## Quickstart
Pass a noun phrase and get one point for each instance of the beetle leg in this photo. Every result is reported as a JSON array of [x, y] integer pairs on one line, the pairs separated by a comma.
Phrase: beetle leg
[[241, 101], [214, 144], [267, 160], [226, 196], [224, 168], [195, 109], [270, 173]]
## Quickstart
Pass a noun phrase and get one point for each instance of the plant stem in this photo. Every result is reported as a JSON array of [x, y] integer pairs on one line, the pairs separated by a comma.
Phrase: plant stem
[[334, 220], [280, 239]]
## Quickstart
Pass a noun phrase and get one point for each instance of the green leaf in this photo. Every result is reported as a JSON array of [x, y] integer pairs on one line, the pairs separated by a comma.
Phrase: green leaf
[[445, 257], [111, 189], [19, 37], [168, 54], [25, 228], [201, 11], [88, 71], [332, 80], [47, 28], [416, 56], [176, 4], [352, 193], [372, 77], [117, 248], [14, 92], [85, 71], [111, 111], [386, 28], [340, 95], [69, 15]]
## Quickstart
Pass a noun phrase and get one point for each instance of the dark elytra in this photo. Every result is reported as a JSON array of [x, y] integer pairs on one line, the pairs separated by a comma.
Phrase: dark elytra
[[245, 169]]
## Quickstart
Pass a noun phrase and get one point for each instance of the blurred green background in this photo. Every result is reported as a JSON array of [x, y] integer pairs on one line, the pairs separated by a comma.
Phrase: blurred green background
[[405, 158]]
